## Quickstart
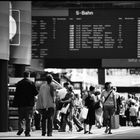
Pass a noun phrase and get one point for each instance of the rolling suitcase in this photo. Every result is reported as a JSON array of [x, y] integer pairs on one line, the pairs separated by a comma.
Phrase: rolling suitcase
[[115, 122]]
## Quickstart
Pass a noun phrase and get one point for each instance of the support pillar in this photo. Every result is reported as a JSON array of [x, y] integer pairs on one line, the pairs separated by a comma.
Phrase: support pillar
[[19, 69], [101, 76], [3, 95]]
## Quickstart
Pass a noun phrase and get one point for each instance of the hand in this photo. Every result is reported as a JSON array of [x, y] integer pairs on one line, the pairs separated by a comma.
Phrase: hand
[[115, 109], [61, 101]]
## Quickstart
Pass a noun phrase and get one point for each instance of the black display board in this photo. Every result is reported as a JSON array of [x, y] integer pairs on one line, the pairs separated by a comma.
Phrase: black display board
[[85, 34]]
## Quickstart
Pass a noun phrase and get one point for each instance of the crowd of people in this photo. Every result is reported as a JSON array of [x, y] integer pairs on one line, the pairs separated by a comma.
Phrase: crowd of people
[[56, 106]]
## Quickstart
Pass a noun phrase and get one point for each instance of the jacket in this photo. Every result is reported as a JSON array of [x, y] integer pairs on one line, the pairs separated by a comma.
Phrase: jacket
[[25, 94], [45, 97]]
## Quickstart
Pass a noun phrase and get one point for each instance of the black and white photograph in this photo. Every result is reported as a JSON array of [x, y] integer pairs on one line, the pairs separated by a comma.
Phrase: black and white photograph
[[70, 69]]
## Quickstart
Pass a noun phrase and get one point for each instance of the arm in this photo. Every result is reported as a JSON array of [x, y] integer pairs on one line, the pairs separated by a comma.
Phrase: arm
[[71, 97], [34, 89], [67, 101], [57, 85], [102, 97], [115, 101]]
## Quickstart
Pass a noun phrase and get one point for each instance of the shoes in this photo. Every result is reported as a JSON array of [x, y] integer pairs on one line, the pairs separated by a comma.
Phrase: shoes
[[70, 130], [27, 135], [19, 132], [80, 130], [109, 132], [50, 134], [60, 130], [43, 134], [99, 126], [107, 129], [90, 133], [85, 132]]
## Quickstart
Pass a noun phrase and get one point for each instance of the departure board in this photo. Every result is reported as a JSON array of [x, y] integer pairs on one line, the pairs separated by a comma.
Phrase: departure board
[[86, 33]]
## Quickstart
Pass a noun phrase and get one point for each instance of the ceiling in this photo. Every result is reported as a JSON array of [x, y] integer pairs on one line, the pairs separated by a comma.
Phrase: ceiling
[[84, 3]]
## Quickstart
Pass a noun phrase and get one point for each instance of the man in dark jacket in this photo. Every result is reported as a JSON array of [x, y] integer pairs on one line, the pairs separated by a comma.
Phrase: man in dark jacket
[[24, 100]]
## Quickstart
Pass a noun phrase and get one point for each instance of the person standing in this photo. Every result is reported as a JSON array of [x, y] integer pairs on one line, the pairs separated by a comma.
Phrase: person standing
[[109, 105], [46, 104], [127, 106], [133, 114], [99, 110], [24, 99]]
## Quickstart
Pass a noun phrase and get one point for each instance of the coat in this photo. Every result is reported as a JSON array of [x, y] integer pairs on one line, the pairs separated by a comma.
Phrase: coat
[[25, 94]]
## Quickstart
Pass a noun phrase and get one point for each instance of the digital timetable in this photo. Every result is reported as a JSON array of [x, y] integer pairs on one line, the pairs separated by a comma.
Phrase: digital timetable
[[86, 33]]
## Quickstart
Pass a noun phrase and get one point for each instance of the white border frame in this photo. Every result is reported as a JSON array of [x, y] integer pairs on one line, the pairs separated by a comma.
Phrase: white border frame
[[18, 27]]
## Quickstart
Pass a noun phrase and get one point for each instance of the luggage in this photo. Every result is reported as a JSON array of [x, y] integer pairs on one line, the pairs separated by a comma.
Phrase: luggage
[[122, 120], [83, 114], [65, 109], [115, 122]]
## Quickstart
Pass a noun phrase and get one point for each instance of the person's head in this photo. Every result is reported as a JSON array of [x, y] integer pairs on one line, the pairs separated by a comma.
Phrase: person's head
[[70, 88], [114, 88], [49, 78], [108, 85], [129, 96], [26, 74], [132, 103], [66, 84], [77, 95], [92, 89], [136, 98]]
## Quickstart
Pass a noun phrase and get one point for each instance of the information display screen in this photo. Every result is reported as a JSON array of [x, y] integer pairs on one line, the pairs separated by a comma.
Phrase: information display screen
[[86, 33]]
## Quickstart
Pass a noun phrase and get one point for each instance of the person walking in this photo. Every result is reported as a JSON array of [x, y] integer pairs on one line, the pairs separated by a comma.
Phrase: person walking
[[77, 109], [109, 105], [89, 103], [68, 116], [24, 99], [61, 95], [46, 104]]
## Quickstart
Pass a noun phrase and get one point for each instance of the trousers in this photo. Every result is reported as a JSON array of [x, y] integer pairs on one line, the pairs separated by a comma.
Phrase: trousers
[[47, 117], [27, 114]]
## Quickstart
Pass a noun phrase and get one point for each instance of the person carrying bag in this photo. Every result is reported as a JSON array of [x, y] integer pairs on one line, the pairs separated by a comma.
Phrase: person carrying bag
[[64, 109], [109, 106], [83, 114]]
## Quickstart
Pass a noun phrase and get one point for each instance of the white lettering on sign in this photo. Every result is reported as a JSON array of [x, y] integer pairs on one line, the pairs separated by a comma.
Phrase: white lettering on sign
[[84, 13]]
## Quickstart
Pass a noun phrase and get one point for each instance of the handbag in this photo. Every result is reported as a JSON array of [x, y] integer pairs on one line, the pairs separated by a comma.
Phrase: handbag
[[64, 109], [83, 114]]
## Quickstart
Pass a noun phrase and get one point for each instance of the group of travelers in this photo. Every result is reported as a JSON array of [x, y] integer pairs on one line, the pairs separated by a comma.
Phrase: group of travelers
[[60, 107], [130, 110]]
